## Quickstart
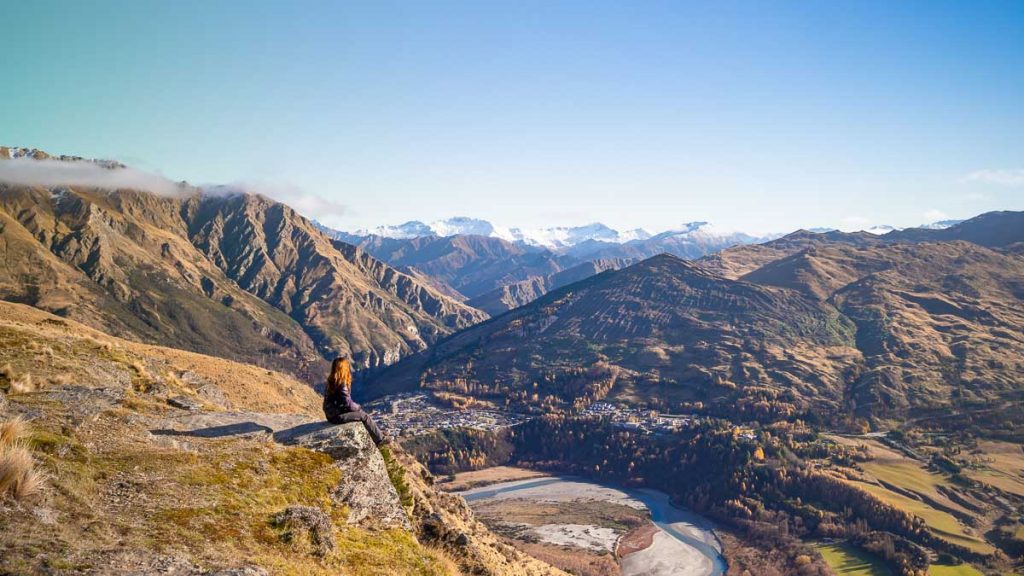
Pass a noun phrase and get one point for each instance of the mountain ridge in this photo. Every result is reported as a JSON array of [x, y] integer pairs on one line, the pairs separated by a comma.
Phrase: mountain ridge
[[239, 274], [854, 325]]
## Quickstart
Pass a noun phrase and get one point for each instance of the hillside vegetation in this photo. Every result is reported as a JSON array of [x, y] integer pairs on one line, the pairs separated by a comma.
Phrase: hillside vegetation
[[158, 460]]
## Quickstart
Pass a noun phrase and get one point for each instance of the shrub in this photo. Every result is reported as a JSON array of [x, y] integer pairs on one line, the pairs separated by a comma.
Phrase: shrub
[[397, 475]]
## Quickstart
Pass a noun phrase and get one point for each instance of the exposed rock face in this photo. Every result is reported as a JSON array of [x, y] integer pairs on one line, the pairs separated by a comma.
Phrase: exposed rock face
[[365, 487], [238, 276], [349, 303]]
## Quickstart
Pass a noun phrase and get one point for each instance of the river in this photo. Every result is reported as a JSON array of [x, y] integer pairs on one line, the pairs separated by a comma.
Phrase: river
[[684, 545]]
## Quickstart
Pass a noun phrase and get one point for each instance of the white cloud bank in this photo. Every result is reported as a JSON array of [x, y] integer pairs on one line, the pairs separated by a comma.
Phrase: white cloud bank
[[32, 172], [27, 171], [309, 205], [1007, 177]]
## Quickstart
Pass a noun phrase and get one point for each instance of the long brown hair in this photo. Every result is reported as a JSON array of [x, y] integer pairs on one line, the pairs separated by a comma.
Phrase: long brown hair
[[341, 375]]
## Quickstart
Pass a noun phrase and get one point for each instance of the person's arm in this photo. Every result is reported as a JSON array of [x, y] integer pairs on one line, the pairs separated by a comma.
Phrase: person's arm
[[350, 404]]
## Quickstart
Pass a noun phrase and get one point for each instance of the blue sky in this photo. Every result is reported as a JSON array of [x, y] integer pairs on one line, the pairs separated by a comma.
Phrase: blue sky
[[763, 116]]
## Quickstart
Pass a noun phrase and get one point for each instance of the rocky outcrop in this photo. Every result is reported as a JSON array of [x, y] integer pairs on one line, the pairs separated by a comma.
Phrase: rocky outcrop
[[365, 486], [520, 293]]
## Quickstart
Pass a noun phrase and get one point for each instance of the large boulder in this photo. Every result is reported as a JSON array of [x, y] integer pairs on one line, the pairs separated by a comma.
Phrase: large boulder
[[365, 487]]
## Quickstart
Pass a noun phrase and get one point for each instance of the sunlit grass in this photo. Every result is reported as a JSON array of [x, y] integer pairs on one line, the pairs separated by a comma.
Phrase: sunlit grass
[[946, 570], [943, 524], [847, 560]]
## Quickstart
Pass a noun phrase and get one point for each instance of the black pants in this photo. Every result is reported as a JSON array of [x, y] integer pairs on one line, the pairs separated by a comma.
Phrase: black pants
[[360, 416]]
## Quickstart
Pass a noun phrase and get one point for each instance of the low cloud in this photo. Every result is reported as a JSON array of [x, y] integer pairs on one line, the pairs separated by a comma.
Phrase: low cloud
[[309, 205], [50, 173], [1007, 177], [934, 215]]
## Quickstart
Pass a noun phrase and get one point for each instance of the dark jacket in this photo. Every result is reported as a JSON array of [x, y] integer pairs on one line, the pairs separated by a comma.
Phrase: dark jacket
[[339, 402]]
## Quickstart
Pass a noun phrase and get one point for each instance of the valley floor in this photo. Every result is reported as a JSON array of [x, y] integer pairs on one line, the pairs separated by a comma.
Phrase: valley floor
[[594, 528]]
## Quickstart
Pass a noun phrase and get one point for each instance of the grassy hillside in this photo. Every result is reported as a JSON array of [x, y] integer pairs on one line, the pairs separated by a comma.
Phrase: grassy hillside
[[155, 459]]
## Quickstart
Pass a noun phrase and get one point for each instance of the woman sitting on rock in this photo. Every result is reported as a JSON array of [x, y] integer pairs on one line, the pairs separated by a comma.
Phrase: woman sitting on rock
[[339, 407]]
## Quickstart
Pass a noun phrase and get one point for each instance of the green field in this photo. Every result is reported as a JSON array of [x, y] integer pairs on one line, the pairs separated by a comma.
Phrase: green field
[[908, 475], [847, 560], [961, 570], [944, 525]]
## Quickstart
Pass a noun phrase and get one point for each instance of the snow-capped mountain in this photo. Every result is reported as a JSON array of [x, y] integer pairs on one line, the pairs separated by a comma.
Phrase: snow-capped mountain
[[941, 224], [880, 229], [885, 228], [554, 238], [702, 231], [568, 236], [410, 229]]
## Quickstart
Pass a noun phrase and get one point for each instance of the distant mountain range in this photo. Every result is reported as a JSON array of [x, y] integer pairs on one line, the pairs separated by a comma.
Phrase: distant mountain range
[[556, 238], [496, 269], [499, 269], [873, 322], [802, 326], [565, 238]]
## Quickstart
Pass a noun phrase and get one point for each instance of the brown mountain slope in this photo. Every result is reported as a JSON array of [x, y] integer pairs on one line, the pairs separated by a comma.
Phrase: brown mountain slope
[[517, 294], [238, 275], [120, 262], [939, 323], [348, 302], [880, 330], [470, 265], [661, 333], [739, 260], [992, 229]]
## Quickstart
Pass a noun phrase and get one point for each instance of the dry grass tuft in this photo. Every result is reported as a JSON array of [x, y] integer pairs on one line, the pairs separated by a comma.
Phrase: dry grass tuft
[[143, 380], [23, 385], [13, 430], [99, 344], [18, 477], [62, 380], [443, 560]]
